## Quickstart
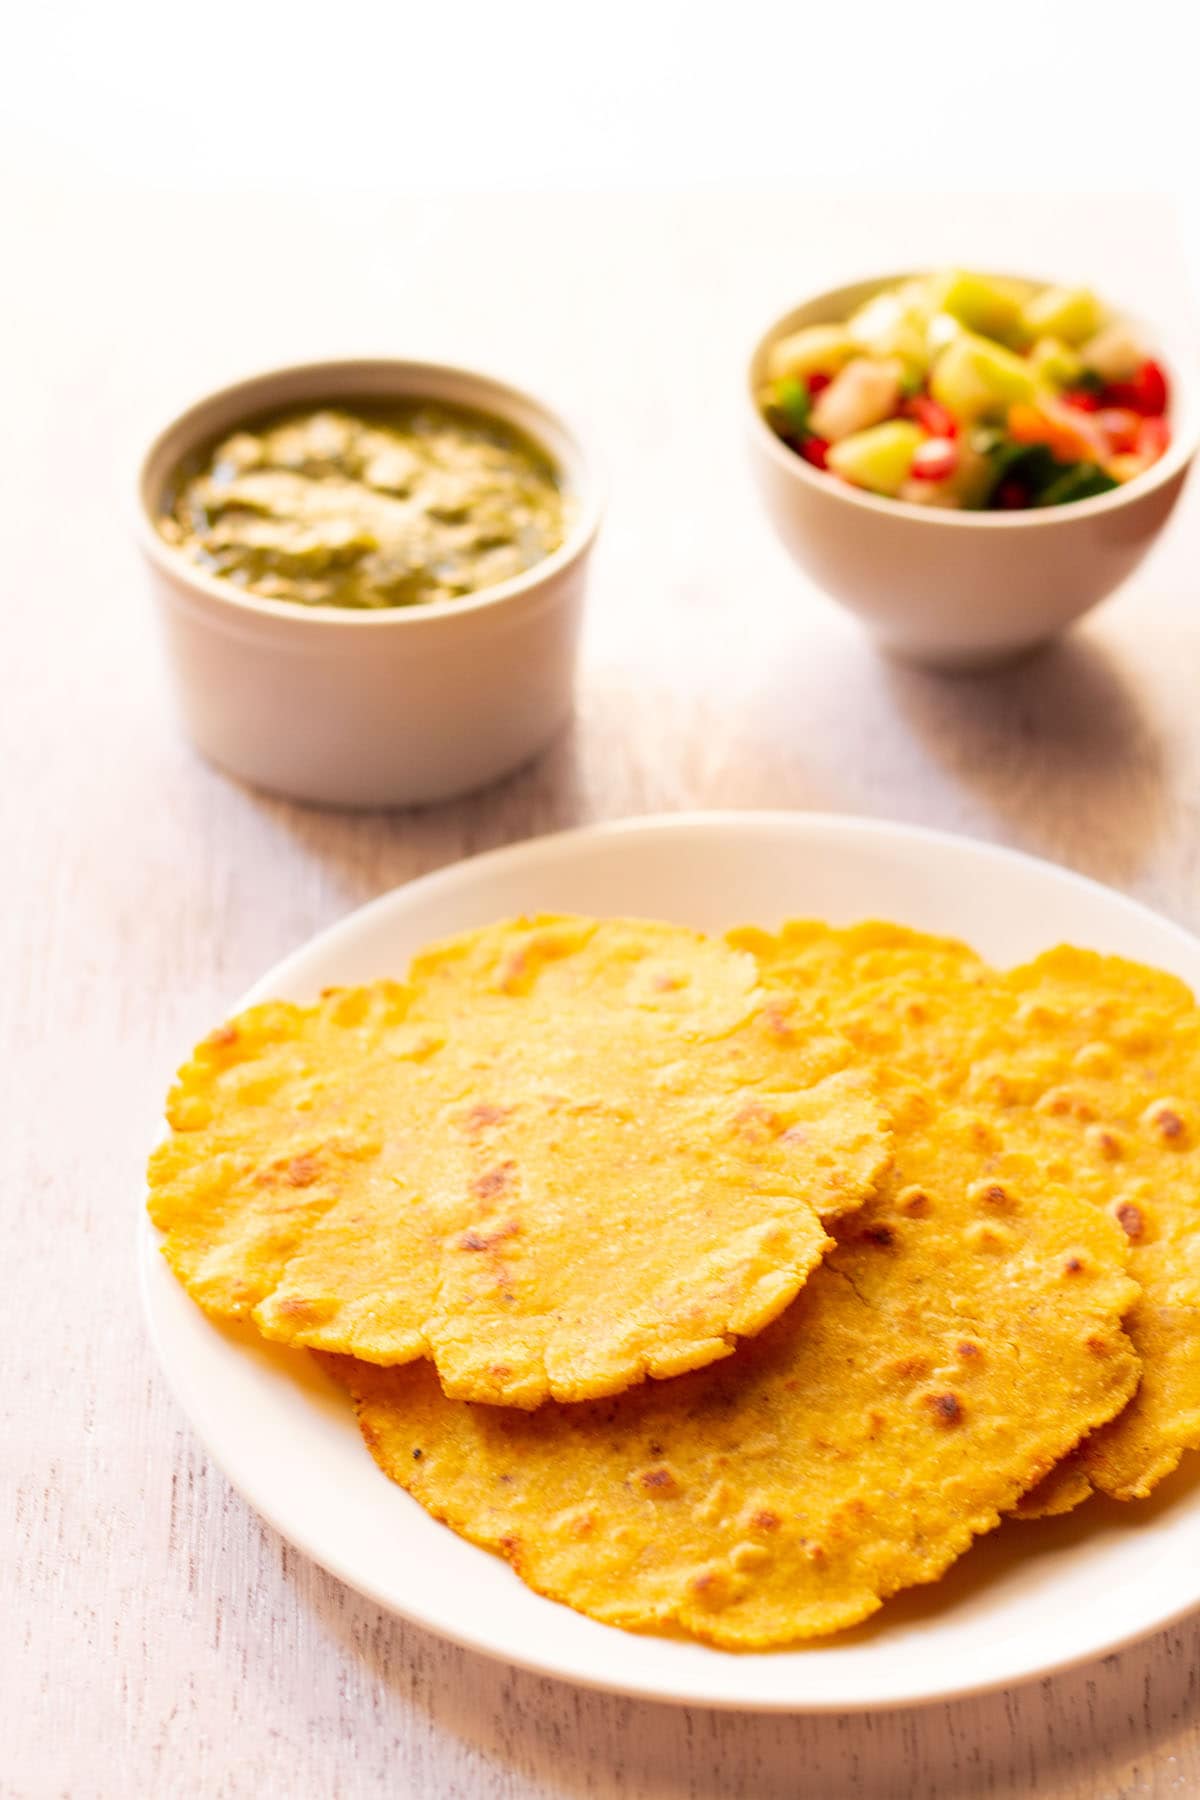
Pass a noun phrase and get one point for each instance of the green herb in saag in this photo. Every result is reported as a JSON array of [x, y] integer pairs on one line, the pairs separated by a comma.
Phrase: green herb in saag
[[367, 506]]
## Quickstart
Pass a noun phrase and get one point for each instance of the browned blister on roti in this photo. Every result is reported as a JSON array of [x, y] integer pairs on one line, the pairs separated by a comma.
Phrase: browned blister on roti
[[562, 1156], [955, 1344]]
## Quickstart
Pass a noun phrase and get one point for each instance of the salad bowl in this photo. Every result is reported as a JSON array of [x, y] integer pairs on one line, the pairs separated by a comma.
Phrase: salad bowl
[[399, 706], [955, 589]]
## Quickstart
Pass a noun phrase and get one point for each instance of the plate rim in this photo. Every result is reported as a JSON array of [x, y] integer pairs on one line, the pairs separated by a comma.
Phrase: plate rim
[[326, 941]]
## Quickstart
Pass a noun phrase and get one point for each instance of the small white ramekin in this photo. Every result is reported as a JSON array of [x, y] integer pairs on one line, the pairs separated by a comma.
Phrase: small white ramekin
[[961, 590], [367, 709]]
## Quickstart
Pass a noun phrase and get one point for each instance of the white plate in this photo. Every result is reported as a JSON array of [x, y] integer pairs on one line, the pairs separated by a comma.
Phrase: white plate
[[1030, 1599]]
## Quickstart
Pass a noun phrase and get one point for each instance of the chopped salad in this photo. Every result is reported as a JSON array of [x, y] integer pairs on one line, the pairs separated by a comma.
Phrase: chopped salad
[[968, 391]]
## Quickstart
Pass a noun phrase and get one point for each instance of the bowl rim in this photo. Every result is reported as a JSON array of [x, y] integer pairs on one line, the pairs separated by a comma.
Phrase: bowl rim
[[494, 395], [1178, 455]]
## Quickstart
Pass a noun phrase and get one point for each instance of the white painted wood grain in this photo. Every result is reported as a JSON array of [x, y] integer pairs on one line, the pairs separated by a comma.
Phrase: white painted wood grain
[[155, 1637]]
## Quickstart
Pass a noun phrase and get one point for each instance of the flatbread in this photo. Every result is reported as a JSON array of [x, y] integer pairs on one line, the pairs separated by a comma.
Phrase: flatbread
[[1088, 1066], [905, 999], [563, 1156], [1102, 1056], [950, 1350]]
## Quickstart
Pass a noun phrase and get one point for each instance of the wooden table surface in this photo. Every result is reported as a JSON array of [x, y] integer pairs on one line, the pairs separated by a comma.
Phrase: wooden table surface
[[155, 1637]]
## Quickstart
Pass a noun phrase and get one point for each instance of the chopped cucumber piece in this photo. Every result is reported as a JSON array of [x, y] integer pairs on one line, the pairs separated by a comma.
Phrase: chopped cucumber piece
[[971, 482], [1072, 314], [1115, 354], [941, 330], [788, 404], [976, 379], [892, 324], [814, 350], [991, 307], [1056, 363], [879, 458]]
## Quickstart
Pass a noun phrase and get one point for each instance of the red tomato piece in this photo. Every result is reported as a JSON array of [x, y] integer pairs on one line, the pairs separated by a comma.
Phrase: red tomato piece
[[931, 416], [1151, 383], [1154, 435], [1147, 393], [1083, 399], [815, 450], [817, 381], [1012, 495], [934, 460], [1119, 393], [1120, 426]]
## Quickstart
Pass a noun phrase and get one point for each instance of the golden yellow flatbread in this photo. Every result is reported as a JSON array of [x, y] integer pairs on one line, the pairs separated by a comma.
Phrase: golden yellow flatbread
[[957, 1342], [1102, 1056], [1089, 1068], [562, 1156], [905, 1000]]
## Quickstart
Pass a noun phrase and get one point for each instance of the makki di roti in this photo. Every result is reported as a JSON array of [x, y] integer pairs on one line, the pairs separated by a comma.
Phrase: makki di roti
[[562, 1156], [957, 1342], [908, 1242], [1090, 1066], [1112, 1076]]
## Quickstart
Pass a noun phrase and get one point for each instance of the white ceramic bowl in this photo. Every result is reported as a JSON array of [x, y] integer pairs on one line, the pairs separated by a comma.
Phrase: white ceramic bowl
[[384, 708], [962, 589]]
